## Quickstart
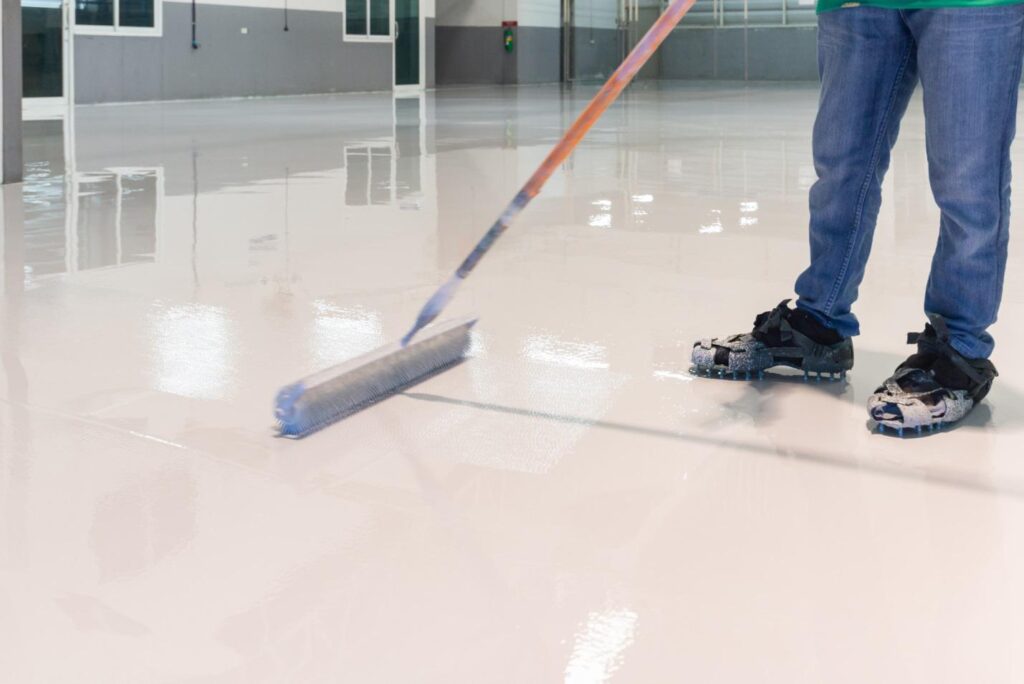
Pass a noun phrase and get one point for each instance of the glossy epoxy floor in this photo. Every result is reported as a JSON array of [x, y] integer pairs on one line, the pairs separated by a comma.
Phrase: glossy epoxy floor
[[569, 504]]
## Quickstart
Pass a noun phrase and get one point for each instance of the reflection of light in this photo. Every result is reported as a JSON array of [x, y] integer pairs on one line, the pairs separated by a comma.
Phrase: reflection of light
[[643, 198], [340, 334], [672, 375], [598, 649], [603, 218], [716, 223], [191, 348], [551, 350], [477, 346], [747, 207], [748, 220]]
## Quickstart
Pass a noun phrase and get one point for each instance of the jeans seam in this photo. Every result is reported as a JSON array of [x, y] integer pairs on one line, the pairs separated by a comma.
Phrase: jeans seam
[[872, 169], [973, 348], [1014, 83]]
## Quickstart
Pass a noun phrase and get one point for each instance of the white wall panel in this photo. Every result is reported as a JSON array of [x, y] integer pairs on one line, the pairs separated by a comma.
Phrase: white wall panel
[[476, 12], [297, 5], [540, 13], [596, 13]]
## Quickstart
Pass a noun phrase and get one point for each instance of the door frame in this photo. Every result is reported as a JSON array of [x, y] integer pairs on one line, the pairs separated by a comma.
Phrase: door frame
[[627, 18], [422, 23], [51, 108], [568, 54]]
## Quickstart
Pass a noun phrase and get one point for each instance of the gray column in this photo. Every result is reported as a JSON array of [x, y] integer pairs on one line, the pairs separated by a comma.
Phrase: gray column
[[10, 90]]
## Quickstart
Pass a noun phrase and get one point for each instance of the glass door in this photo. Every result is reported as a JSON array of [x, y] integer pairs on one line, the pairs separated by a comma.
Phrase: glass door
[[409, 59], [636, 18], [591, 39], [598, 34], [46, 52]]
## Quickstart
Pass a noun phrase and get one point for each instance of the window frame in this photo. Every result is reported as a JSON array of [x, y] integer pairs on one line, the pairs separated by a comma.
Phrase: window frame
[[157, 30], [366, 37]]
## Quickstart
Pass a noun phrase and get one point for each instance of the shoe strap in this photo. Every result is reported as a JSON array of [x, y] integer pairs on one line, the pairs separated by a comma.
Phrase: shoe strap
[[775, 320], [935, 340]]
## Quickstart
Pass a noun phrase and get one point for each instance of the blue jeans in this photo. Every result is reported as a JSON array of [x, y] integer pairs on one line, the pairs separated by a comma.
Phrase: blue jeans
[[969, 63]]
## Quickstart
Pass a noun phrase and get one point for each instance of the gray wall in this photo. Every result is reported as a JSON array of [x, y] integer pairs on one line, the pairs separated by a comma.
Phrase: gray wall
[[539, 54], [429, 51], [476, 55], [596, 52], [10, 82], [473, 55], [757, 54], [310, 57]]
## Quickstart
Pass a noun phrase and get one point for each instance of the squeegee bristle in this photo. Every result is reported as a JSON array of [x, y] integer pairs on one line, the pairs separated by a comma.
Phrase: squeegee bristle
[[330, 395]]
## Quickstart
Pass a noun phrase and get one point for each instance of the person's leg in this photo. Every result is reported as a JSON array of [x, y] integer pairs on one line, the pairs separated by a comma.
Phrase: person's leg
[[867, 65], [970, 66], [969, 60]]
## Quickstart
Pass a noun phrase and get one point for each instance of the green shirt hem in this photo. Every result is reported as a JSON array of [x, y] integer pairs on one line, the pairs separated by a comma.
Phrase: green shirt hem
[[829, 5]]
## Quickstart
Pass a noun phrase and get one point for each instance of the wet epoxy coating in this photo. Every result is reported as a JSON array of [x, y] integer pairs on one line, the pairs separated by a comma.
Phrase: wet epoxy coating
[[569, 504]]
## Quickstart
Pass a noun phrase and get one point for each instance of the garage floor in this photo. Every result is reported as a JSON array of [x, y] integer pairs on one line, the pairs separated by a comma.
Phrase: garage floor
[[570, 503]]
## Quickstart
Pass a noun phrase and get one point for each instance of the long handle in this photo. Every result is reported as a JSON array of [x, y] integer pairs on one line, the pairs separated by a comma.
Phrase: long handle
[[604, 98]]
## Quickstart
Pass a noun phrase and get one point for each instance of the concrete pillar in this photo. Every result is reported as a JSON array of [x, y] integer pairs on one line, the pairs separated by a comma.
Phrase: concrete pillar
[[10, 91]]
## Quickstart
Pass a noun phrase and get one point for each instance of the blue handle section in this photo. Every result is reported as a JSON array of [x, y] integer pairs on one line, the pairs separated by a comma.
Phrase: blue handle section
[[517, 204], [439, 300], [289, 415]]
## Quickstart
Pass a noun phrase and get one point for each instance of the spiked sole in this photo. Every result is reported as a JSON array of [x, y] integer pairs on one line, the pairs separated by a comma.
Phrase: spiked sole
[[889, 427], [723, 373]]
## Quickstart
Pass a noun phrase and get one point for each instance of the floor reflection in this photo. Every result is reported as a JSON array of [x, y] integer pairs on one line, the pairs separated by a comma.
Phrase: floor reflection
[[83, 213], [117, 217], [78, 221], [569, 492]]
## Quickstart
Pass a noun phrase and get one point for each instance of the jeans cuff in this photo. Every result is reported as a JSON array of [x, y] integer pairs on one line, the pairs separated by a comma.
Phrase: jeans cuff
[[971, 348], [825, 320]]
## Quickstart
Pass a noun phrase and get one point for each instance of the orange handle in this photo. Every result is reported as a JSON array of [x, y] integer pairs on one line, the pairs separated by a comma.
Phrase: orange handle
[[561, 151], [608, 93]]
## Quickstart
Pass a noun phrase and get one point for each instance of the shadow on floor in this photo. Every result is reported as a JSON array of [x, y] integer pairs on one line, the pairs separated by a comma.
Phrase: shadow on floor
[[1004, 402], [1010, 489]]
